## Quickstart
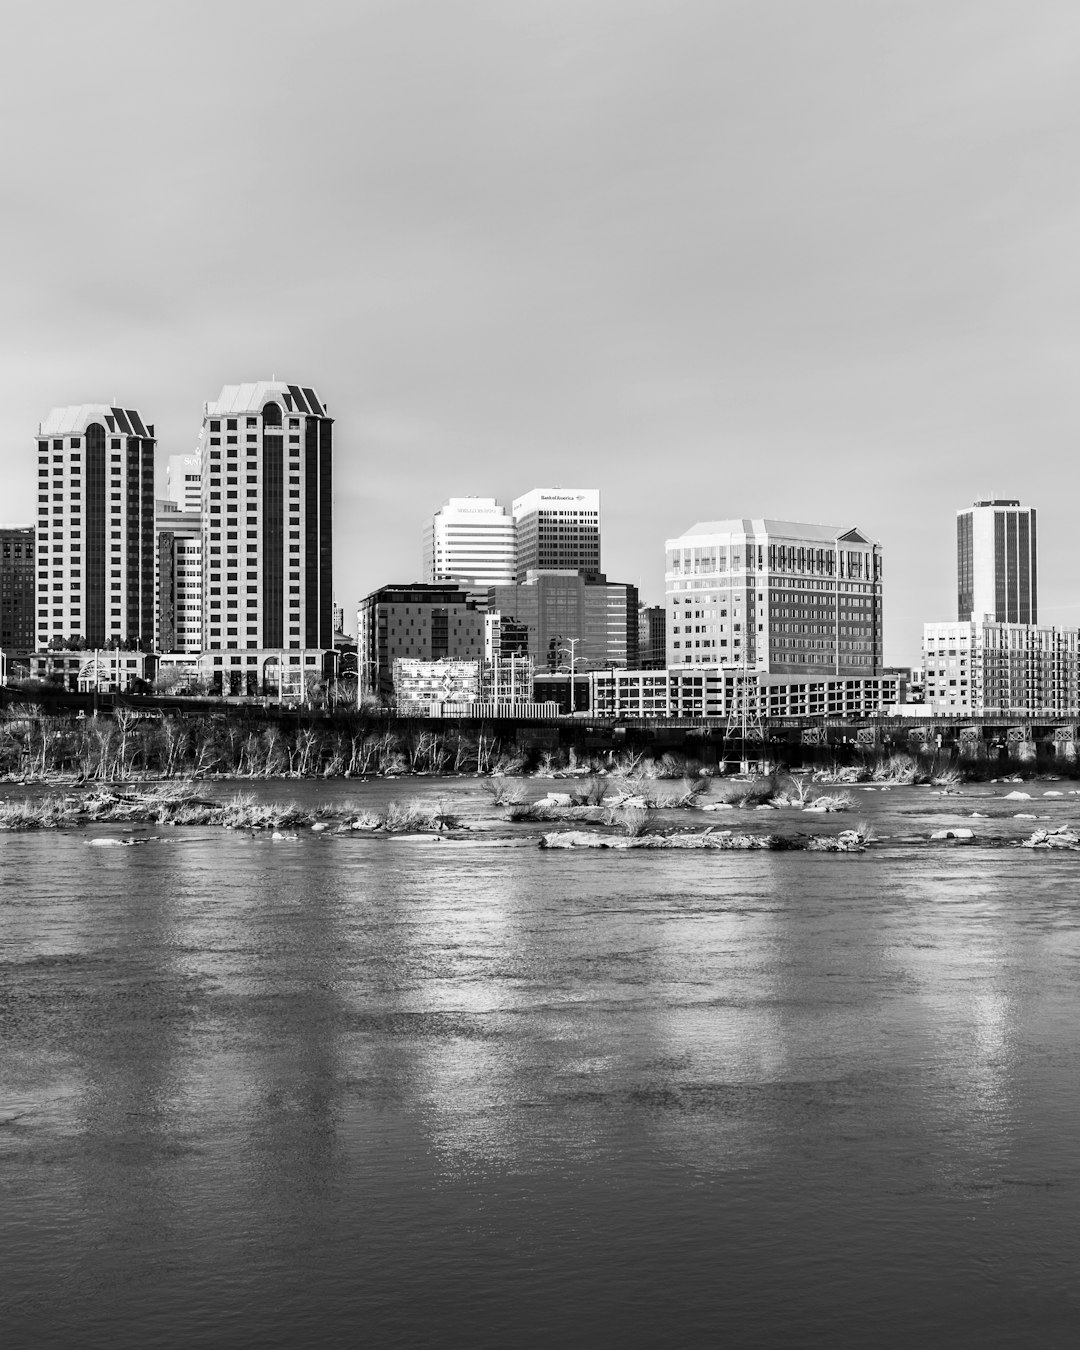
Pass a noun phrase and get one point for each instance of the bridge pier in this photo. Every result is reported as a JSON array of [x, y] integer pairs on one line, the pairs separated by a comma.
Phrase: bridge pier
[[971, 744]]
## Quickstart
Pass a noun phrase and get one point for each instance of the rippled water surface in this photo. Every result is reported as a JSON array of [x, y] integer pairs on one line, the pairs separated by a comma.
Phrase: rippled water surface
[[344, 1091]]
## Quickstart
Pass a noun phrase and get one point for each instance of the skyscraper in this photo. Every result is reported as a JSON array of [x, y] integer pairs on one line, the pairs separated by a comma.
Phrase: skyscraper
[[996, 563], [471, 540], [557, 529], [267, 490], [95, 539]]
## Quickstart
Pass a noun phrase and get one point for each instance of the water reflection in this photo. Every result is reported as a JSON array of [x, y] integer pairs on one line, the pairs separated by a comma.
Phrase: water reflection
[[356, 1084]]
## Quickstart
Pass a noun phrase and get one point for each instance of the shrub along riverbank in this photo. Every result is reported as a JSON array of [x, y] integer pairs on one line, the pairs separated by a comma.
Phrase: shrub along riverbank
[[37, 746], [181, 805]]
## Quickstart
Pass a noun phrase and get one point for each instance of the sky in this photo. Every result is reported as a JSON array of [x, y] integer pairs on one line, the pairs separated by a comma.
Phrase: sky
[[808, 259]]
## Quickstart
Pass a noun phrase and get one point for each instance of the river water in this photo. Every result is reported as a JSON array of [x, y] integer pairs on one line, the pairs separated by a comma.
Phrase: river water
[[342, 1091]]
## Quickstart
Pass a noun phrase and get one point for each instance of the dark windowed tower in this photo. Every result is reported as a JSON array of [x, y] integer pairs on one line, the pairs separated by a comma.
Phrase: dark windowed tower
[[267, 492], [997, 563], [95, 537], [17, 589]]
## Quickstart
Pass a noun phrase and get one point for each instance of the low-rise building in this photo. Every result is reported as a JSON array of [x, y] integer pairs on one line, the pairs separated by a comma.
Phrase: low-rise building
[[977, 668], [104, 670], [272, 672], [425, 688], [709, 691], [421, 621]]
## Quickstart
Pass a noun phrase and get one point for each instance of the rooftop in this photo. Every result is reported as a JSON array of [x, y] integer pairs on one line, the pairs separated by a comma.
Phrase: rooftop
[[252, 398], [777, 529], [73, 421]]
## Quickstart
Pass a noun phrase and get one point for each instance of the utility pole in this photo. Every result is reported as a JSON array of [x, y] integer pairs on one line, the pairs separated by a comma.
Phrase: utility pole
[[744, 712]]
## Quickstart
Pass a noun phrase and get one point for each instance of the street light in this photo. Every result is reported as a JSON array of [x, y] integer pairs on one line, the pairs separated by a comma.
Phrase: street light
[[556, 646]]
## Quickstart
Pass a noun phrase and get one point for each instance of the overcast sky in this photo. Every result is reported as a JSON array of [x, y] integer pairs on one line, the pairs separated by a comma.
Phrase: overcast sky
[[814, 259]]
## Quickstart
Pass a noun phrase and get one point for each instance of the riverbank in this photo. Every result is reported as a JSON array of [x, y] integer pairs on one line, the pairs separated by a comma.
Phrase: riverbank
[[634, 815]]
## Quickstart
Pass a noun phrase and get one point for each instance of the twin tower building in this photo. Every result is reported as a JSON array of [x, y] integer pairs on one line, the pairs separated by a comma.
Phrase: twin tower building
[[236, 567]]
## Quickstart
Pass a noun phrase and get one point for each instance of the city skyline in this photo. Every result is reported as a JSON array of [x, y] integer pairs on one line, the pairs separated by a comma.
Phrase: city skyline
[[168, 466], [682, 257]]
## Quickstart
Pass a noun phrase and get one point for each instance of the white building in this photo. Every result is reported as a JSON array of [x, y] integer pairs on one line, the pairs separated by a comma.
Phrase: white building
[[993, 668], [183, 475], [428, 688], [557, 529], [776, 596], [471, 540], [267, 500], [95, 535], [709, 691]]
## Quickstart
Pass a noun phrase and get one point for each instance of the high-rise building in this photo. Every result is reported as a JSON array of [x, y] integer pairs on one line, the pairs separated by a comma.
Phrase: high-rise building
[[17, 589], [557, 529], [267, 498], [471, 540], [179, 578], [95, 538], [775, 596], [996, 563], [572, 619]]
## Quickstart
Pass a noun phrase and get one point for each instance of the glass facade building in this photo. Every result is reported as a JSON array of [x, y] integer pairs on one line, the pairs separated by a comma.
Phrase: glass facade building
[[573, 619], [997, 563], [17, 590]]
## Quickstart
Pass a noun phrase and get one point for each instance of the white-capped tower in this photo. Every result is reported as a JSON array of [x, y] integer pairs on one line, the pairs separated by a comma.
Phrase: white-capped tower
[[95, 537], [267, 501]]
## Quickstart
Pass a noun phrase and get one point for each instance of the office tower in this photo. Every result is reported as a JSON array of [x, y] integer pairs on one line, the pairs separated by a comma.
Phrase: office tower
[[184, 478], [17, 589], [775, 596], [572, 619], [426, 621], [95, 538], [179, 578], [471, 540], [557, 529], [267, 495], [996, 563]]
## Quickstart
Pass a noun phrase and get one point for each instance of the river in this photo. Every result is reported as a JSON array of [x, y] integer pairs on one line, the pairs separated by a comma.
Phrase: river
[[343, 1091]]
